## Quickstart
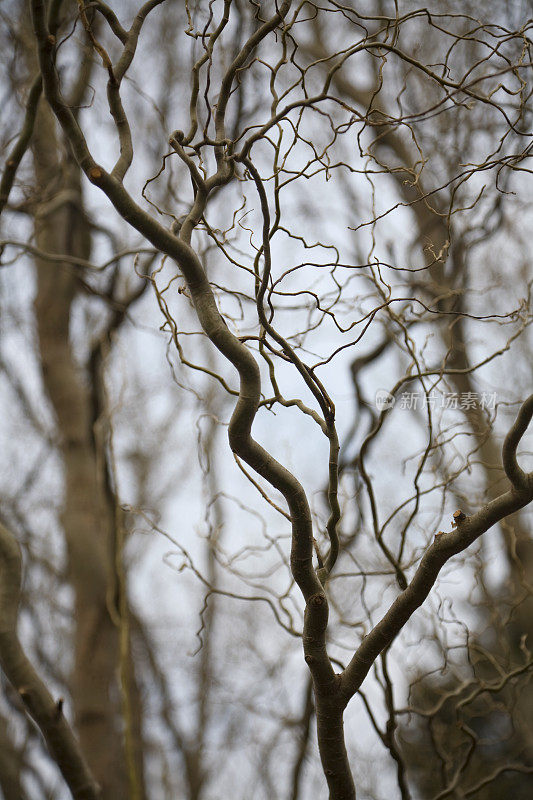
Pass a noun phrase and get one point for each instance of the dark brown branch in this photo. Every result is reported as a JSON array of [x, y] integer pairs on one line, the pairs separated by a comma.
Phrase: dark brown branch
[[521, 481], [440, 551]]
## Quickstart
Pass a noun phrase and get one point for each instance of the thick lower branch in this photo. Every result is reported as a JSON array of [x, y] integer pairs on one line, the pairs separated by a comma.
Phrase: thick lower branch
[[333, 755], [443, 548], [38, 701]]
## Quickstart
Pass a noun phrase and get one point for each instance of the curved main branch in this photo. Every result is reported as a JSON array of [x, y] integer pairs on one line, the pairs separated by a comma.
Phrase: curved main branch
[[241, 440]]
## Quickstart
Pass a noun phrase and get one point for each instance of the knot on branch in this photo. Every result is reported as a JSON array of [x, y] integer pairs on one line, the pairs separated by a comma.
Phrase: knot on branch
[[95, 174], [58, 709], [458, 517], [317, 600]]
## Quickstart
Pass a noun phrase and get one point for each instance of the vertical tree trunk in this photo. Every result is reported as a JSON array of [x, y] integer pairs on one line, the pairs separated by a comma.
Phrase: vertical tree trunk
[[85, 519], [332, 747]]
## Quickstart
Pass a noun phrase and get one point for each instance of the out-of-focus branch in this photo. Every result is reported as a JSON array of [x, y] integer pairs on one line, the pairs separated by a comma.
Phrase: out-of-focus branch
[[304, 730], [39, 703], [21, 145], [12, 762], [25, 135]]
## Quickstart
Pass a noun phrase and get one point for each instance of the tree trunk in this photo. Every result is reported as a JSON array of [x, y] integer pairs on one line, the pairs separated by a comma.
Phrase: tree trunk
[[85, 519]]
